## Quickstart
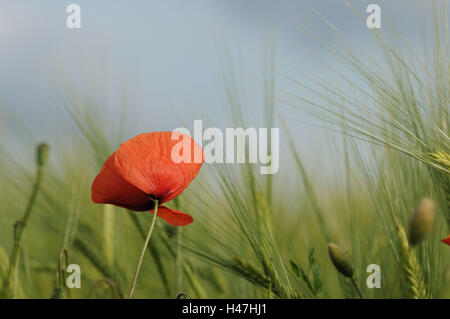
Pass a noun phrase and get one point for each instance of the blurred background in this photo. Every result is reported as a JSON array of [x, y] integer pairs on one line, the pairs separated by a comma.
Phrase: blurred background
[[165, 61]]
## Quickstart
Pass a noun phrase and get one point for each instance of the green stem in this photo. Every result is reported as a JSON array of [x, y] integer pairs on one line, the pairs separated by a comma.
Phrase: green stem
[[19, 230], [179, 256], [111, 284], [154, 251], [269, 291], [141, 257], [179, 259], [356, 288], [61, 287]]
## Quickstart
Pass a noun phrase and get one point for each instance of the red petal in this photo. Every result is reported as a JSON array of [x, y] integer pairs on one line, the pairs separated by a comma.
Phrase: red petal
[[446, 240], [109, 188], [145, 161], [173, 217]]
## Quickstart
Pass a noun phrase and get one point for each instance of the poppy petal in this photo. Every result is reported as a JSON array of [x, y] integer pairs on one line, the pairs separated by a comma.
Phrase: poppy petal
[[145, 161], [174, 217], [446, 240], [110, 188]]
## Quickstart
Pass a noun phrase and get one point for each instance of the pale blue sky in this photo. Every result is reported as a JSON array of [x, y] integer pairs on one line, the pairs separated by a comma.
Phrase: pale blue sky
[[170, 53]]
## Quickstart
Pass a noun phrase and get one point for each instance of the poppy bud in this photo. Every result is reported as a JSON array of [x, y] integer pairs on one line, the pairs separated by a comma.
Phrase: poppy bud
[[340, 259], [42, 154], [422, 221]]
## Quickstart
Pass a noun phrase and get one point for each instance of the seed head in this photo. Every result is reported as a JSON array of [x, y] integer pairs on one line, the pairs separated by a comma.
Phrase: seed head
[[422, 221], [340, 259], [42, 154]]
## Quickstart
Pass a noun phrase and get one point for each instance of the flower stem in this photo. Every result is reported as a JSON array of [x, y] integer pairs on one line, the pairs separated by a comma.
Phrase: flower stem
[[269, 291], [356, 288], [179, 256], [141, 257], [19, 229], [179, 259]]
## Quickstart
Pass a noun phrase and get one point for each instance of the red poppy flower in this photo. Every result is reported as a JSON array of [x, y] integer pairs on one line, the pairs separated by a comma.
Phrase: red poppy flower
[[446, 240], [142, 170]]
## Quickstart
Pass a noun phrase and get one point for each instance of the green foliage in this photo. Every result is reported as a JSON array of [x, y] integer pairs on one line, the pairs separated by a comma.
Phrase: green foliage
[[311, 276]]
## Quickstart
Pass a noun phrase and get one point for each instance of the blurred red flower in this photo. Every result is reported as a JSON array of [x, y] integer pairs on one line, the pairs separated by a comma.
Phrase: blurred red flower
[[446, 240], [142, 170]]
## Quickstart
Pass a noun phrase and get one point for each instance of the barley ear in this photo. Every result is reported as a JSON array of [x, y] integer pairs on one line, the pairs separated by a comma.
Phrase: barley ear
[[252, 274], [442, 158], [410, 266], [249, 272]]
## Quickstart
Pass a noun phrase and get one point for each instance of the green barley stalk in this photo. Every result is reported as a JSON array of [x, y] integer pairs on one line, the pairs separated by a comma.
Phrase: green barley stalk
[[195, 285], [4, 260], [343, 264], [414, 276], [60, 289], [179, 252], [252, 274], [443, 158], [108, 233], [4, 263], [19, 227], [274, 279], [186, 266]]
